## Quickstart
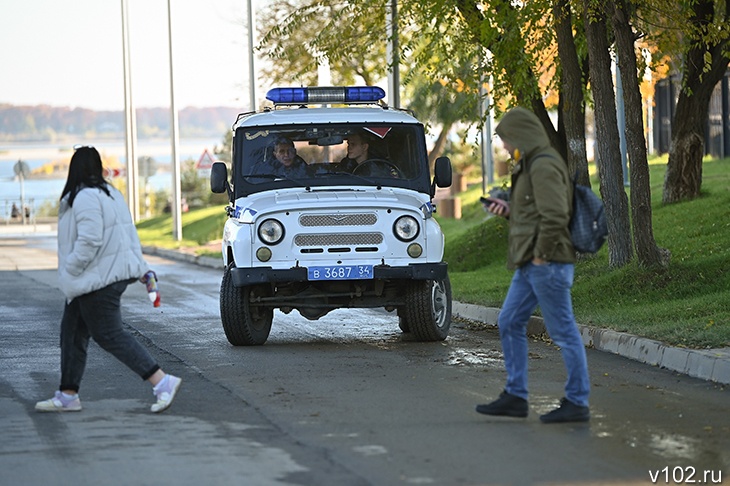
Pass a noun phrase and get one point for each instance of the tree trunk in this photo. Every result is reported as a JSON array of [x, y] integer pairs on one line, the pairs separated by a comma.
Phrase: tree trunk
[[683, 179], [647, 251], [438, 145], [571, 94], [608, 155]]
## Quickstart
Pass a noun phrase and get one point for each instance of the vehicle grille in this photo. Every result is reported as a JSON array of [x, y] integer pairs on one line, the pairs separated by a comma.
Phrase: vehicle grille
[[343, 239], [356, 219]]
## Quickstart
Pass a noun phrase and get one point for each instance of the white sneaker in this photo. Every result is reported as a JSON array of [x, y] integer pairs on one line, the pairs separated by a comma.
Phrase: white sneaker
[[59, 403], [165, 392]]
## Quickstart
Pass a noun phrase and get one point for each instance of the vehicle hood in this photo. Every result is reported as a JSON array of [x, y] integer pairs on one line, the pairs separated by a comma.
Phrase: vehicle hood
[[248, 209]]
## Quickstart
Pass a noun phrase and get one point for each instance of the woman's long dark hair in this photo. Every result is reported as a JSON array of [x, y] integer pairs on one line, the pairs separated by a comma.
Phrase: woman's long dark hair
[[85, 170]]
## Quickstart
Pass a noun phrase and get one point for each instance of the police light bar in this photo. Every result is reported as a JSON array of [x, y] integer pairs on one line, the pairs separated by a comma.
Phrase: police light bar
[[325, 94]]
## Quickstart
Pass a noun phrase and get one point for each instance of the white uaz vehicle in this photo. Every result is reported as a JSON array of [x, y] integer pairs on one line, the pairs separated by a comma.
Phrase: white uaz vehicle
[[327, 232]]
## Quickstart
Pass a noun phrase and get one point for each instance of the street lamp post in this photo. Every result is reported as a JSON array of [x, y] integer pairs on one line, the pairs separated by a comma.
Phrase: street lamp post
[[252, 56], [392, 54], [485, 112], [130, 121], [176, 197]]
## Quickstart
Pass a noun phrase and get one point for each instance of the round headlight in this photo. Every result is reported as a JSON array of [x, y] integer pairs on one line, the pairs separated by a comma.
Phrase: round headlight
[[271, 231], [406, 228]]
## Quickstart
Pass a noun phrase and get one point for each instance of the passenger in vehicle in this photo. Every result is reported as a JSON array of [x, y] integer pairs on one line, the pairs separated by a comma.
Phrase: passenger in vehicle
[[286, 161], [283, 162]]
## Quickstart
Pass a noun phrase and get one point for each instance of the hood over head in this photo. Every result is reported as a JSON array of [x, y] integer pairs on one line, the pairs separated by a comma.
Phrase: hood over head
[[522, 129]]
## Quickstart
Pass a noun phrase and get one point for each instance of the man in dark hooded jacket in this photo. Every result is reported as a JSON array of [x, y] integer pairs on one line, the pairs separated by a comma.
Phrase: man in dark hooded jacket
[[542, 255]]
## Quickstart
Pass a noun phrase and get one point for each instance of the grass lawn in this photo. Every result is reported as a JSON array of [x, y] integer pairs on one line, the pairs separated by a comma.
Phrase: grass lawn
[[686, 305], [199, 227]]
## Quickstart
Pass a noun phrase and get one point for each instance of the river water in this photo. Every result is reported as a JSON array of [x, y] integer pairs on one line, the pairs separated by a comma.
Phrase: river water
[[36, 192]]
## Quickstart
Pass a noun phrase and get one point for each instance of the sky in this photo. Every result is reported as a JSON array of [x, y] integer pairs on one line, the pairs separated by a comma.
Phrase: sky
[[69, 53]]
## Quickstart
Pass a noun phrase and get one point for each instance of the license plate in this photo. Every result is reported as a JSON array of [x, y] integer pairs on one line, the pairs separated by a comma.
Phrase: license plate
[[340, 272]]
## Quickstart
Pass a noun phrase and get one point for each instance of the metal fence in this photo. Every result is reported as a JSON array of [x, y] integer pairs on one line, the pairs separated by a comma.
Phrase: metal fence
[[717, 125], [15, 211]]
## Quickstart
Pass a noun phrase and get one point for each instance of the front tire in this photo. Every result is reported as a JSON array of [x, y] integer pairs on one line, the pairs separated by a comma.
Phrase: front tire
[[244, 324], [402, 323], [428, 309]]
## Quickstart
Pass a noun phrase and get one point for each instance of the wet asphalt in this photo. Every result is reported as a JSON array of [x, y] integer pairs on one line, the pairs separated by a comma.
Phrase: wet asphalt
[[344, 400]]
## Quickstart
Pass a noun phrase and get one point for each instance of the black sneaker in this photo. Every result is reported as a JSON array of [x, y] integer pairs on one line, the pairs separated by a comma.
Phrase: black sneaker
[[506, 404], [566, 412]]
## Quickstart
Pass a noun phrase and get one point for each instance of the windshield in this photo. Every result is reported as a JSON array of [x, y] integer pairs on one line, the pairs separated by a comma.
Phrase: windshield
[[328, 154]]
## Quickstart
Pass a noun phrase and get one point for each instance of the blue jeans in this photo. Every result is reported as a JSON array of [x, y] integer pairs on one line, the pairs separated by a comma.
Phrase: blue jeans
[[549, 287], [98, 315]]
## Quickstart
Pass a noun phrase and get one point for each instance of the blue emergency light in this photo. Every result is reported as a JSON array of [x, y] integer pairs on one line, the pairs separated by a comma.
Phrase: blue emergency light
[[325, 94]]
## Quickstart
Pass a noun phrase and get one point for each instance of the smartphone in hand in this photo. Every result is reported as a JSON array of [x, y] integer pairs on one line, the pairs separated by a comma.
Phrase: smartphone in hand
[[501, 208]]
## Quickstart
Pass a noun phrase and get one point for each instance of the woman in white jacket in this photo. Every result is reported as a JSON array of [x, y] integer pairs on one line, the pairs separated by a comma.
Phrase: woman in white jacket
[[99, 254]]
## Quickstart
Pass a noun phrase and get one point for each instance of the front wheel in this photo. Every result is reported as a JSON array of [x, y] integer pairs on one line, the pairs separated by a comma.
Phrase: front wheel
[[244, 324], [402, 323], [428, 309]]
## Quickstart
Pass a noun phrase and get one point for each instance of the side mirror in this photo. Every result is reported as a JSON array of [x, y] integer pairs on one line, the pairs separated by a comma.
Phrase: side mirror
[[442, 172], [219, 178]]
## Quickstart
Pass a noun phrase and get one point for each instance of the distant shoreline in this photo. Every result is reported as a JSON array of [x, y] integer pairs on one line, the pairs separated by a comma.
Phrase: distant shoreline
[[50, 151]]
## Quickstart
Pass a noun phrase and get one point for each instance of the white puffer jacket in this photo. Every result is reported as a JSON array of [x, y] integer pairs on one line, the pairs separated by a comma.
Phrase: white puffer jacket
[[98, 244]]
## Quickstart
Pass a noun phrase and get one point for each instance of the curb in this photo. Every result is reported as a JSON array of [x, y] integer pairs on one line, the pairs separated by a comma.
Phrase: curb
[[706, 364]]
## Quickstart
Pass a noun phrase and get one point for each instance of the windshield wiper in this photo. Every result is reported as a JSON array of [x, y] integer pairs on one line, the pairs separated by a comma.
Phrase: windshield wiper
[[276, 177], [264, 176]]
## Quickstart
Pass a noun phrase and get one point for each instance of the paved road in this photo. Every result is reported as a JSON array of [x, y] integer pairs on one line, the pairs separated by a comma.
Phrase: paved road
[[346, 400]]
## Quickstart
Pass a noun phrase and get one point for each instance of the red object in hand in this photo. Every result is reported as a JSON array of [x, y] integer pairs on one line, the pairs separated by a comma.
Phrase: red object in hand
[[150, 280]]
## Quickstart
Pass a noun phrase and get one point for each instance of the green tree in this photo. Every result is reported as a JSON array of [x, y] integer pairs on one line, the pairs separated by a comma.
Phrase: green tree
[[648, 253], [608, 156], [517, 38], [297, 35], [194, 188], [572, 102], [442, 105], [224, 151], [703, 52], [147, 168], [537, 55]]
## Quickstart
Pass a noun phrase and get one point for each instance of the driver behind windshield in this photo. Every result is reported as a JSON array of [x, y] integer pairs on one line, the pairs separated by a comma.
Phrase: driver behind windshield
[[357, 152], [362, 161]]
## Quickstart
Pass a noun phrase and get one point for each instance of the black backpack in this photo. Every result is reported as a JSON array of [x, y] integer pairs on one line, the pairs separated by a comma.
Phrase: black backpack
[[588, 227]]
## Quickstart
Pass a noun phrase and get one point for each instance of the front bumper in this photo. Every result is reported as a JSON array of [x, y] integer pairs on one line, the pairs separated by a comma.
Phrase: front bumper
[[242, 277]]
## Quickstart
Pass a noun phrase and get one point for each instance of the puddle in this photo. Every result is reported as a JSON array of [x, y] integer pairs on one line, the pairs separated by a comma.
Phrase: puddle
[[476, 357]]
